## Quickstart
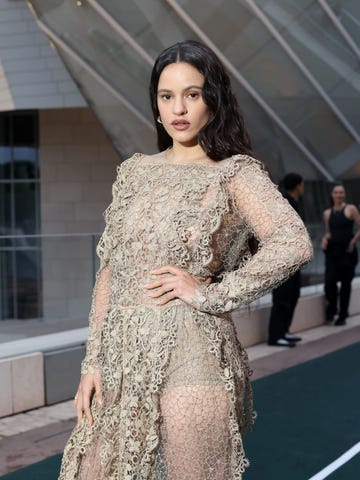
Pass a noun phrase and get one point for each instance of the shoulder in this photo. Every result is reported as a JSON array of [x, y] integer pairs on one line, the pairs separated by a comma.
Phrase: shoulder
[[351, 206], [242, 165], [247, 162], [250, 170], [130, 161], [351, 210], [326, 213]]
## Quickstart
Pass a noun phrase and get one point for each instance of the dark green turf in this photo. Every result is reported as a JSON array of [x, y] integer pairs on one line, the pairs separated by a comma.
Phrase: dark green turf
[[308, 416], [47, 469]]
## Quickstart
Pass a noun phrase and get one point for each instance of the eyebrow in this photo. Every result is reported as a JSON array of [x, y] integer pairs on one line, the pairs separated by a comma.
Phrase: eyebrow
[[184, 90]]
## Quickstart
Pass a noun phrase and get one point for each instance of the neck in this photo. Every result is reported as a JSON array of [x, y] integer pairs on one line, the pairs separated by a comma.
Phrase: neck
[[180, 153], [294, 194], [339, 205]]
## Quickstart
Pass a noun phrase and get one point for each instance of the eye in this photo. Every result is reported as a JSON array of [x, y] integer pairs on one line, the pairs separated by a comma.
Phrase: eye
[[193, 95], [165, 96]]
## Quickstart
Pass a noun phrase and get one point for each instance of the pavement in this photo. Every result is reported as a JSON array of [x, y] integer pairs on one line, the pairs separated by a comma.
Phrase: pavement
[[32, 436]]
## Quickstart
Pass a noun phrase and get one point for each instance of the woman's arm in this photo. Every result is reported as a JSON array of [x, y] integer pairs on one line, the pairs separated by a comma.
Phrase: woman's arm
[[327, 234], [101, 292], [99, 308], [90, 382], [355, 216], [284, 244]]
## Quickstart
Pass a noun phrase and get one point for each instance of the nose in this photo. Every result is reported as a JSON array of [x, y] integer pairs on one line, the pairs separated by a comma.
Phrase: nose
[[179, 106]]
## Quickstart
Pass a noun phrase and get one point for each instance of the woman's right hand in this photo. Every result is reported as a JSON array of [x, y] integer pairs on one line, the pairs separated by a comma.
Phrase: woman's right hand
[[90, 383], [324, 243]]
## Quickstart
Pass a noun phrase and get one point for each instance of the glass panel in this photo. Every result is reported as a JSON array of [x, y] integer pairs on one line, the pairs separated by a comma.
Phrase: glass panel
[[52, 279], [25, 162], [140, 20], [348, 12], [261, 60], [311, 34], [24, 129], [5, 209], [28, 285], [105, 51], [5, 153], [26, 208], [6, 283], [128, 133], [20, 285], [153, 24], [5, 163]]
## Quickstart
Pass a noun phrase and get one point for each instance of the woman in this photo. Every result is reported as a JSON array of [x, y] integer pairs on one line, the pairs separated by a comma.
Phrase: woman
[[165, 374], [339, 245]]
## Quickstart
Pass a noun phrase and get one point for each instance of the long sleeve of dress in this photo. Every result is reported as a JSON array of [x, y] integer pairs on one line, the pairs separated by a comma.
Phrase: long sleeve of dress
[[284, 244], [98, 311], [102, 288], [101, 291], [99, 307]]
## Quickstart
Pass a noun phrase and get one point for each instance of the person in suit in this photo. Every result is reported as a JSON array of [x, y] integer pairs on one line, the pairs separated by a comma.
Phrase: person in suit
[[285, 297]]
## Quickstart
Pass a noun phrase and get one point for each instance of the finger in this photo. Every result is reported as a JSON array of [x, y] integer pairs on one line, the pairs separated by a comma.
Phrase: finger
[[208, 281], [166, 298], [79, 411], [86, 407], [156, 284], [162, 291], [167, 269], [98, 391]]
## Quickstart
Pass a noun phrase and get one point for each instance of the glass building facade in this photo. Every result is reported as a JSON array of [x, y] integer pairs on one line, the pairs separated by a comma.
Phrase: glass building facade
[[294, 67], [20, 247]]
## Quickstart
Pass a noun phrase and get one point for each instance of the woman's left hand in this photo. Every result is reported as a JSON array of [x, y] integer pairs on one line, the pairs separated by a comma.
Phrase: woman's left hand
[[180, 284], [351, 247]]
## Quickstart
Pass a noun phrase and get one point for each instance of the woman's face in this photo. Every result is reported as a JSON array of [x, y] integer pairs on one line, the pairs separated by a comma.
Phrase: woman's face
[[180, 103], [338, 194]]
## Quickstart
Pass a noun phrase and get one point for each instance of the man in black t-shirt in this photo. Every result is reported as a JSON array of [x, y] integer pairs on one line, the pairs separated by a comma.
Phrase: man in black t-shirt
[[285, 297]]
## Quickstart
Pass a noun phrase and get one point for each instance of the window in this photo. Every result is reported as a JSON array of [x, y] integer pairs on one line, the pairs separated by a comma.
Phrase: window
[[20, 250]]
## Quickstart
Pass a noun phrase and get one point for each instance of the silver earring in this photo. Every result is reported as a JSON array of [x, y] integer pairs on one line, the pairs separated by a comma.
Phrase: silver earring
[[159, 120]]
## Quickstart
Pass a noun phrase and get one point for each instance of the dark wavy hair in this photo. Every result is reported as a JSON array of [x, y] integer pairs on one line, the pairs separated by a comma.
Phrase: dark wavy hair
[[225, 133]]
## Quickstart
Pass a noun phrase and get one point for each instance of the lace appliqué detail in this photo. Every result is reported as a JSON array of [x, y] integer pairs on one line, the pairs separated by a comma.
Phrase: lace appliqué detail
[[161, 417]]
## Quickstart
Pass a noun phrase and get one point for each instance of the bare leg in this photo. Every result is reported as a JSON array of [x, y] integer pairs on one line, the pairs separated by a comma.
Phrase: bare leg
[[195, 436]]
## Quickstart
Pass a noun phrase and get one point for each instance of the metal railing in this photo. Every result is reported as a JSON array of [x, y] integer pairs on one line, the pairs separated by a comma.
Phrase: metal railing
[[39, 273]]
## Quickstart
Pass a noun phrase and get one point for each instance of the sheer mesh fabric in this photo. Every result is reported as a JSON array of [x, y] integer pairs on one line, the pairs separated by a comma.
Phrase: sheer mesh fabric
[[175, 380]]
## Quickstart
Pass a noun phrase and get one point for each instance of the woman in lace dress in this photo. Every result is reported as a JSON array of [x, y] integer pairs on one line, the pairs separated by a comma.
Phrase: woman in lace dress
[[165, 391]]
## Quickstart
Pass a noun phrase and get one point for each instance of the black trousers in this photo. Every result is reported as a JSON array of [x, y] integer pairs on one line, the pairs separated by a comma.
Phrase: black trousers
[[339, 268], [284, 300]]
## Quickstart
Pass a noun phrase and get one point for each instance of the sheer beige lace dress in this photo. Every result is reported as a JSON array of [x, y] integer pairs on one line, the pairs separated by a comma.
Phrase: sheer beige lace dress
[[175, 379]]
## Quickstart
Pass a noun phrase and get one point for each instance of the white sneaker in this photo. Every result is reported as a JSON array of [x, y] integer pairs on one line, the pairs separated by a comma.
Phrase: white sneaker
[[282, 342], [292, 337]]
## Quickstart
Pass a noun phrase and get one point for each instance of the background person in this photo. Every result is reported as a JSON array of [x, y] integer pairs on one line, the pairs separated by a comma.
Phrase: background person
[[285, 297], [341, 257], [165, 390]]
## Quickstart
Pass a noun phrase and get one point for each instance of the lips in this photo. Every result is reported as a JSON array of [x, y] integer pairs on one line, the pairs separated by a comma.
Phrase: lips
[[180, 124]]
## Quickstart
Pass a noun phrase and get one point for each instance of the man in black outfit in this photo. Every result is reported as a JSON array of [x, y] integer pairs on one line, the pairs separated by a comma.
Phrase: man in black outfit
[[286, 296]]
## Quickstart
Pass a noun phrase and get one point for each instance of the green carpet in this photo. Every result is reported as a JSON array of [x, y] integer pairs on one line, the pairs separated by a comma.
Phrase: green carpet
[[308, 416], [47, 469]]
